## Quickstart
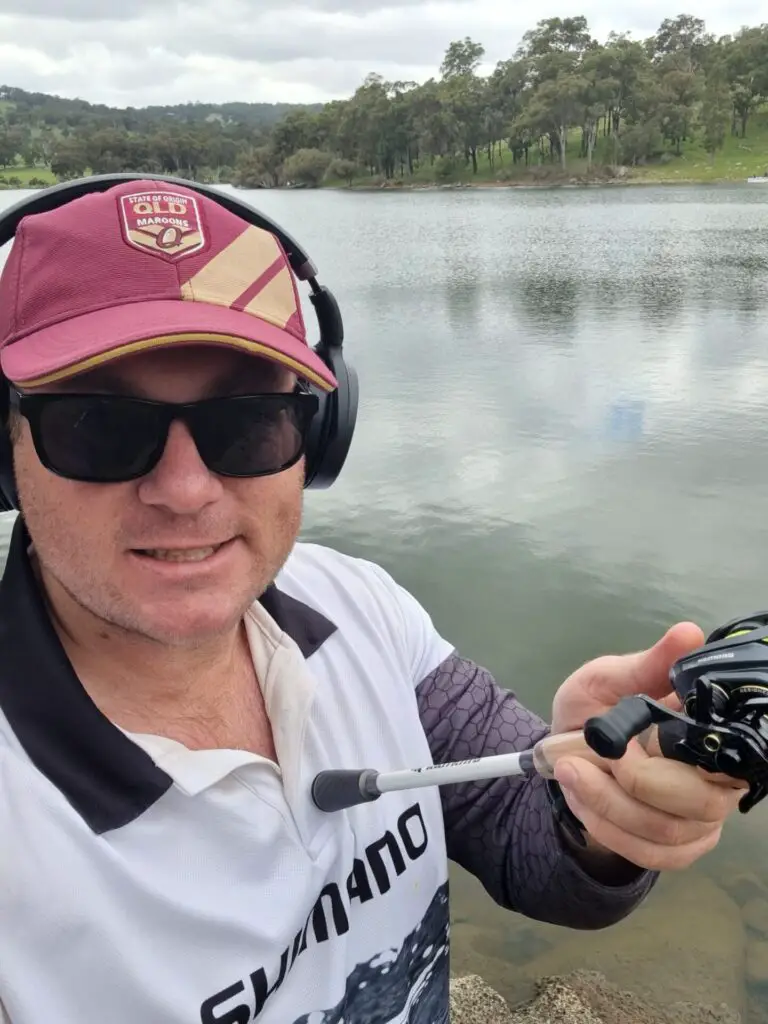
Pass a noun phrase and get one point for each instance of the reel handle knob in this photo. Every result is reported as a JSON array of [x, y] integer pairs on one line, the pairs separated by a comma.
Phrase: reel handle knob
[[609, 734]]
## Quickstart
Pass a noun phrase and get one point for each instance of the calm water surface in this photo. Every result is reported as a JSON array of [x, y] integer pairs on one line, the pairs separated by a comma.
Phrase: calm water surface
[[562, 449]]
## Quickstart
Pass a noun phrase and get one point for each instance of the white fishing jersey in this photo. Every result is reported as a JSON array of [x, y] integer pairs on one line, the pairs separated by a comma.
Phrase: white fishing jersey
[[141, 881]]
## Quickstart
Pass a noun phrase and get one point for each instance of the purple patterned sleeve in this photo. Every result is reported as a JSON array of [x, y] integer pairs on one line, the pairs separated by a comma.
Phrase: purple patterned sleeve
[[502, 830]]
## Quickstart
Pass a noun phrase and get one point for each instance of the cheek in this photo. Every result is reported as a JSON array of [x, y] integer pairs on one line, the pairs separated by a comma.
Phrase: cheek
[[271, 506], [64, 517], [79, 524]]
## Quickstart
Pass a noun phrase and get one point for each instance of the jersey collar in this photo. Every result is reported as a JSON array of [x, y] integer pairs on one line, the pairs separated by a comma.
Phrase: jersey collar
[[106, 777]]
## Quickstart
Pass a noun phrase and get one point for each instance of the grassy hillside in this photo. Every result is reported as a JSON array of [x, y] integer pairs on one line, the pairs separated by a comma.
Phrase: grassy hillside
[[737, 160]]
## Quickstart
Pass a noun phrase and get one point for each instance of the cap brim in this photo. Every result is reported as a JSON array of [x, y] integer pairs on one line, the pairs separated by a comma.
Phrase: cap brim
[[87, 342]]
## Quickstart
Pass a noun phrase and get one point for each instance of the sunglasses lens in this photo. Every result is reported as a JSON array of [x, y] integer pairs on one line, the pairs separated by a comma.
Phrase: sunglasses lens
[[105, 440], [110, 439], [252, 435]]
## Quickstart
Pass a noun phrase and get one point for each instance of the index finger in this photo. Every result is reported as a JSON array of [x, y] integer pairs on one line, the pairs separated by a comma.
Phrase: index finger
[[649, 742], [672, 786]]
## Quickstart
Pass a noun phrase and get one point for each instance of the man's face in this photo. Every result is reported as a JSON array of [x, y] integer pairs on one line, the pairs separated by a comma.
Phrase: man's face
[[114, 549]]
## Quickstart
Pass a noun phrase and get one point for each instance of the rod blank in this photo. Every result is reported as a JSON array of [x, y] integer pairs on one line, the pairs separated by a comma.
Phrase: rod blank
[[337, 789]]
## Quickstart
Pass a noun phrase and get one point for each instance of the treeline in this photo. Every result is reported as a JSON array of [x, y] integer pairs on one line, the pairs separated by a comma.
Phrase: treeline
[[73, 137], [562, 96]]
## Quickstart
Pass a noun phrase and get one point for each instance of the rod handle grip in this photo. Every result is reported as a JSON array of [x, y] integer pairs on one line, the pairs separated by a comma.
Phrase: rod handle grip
[[337, 788], [548, 751]]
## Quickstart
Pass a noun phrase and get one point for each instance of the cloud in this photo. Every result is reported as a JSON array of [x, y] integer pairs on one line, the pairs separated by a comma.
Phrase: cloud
[[140, 52], [77, 10], [97, 10]]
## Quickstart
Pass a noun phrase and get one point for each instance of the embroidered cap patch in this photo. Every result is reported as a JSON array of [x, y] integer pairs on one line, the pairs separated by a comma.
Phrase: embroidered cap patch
[[167, 224]]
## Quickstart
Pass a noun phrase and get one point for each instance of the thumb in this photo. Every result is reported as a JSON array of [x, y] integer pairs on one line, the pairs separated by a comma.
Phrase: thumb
[[649, 669]]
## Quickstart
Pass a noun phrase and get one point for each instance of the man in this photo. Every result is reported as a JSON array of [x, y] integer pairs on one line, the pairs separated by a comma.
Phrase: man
[[177, 668]]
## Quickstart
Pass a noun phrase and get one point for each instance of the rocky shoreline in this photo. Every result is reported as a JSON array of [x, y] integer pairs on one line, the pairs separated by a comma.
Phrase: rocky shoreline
[[696, 952], [582, 997]]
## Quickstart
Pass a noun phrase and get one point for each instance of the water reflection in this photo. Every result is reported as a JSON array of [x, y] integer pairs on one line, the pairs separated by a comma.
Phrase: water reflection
[[574, 471], [550, 304], [659, 297], [463, 301]]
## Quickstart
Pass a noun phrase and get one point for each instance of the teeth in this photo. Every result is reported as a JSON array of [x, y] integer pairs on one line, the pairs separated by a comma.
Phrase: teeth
[[181, 554]]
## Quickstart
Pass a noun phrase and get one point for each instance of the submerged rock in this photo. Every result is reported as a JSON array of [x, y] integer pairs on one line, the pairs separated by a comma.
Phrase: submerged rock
[[755, 916], [685, 943], [473, 1001]]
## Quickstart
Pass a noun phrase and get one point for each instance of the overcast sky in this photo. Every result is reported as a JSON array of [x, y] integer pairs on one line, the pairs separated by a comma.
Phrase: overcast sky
[[138, 52]]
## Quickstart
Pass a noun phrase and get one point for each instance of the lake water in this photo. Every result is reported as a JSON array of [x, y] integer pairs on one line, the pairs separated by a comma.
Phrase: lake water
[[561, 450]]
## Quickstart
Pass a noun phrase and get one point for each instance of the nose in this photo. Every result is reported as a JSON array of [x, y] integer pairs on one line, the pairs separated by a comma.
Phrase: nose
[[180, 482]]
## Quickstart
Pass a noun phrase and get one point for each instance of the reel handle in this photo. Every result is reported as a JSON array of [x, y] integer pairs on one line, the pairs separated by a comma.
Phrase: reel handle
[[608, 734]]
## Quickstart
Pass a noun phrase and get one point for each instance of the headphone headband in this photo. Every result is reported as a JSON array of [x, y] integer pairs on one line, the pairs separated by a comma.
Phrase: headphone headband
[[333, 426], [57, 195]]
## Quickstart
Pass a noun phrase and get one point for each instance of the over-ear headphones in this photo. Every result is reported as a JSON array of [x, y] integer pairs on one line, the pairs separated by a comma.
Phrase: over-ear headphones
[[332, 428]]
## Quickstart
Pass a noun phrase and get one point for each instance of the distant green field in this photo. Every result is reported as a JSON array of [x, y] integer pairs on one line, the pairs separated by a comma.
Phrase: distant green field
[[23, 174]]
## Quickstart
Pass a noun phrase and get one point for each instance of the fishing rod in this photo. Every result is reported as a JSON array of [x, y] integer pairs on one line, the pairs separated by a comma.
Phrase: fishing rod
[[722, 728]]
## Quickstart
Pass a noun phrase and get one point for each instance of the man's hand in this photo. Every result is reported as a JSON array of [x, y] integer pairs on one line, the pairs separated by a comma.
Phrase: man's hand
[[655, 813]]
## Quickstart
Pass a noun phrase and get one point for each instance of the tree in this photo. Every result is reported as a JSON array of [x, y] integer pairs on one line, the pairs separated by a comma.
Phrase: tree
[[641, 137], [463, 57], [599, 93], [258, 167], [298, 130], [347, 170], [464, 95], [465, 102], [715, 108], [685, 35], [367, 127], [622, 66], [436, 130], [69, 160], [504, 98], [681, 89], [555, 107], [306, 167], [555, 51], [557, 35], [746, 60]]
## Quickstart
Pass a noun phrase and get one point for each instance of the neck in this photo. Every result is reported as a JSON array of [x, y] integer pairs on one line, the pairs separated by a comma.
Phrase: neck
[[199, 695], [144, 679]]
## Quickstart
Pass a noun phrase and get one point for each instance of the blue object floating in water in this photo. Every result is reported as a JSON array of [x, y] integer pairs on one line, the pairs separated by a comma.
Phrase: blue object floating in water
[[625, 420]]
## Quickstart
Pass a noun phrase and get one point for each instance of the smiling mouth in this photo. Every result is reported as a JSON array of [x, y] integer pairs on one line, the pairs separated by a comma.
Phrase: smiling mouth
[[181, 554]]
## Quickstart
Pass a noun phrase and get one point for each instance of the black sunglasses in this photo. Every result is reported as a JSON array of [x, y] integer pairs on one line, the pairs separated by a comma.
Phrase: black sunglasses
[[111, 439]]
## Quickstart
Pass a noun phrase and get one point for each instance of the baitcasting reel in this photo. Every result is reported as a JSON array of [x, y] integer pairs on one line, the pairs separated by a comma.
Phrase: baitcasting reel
[[723, 727]]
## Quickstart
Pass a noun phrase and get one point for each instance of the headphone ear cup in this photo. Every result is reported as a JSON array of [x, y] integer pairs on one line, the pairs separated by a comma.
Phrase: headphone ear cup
[[333, 426], [9, 499]]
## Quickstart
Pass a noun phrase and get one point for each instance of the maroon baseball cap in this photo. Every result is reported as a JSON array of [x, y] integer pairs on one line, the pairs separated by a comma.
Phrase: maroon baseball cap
[[146, 265]]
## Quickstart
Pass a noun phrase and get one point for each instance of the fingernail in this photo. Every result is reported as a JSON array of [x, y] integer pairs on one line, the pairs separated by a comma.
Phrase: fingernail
[[567, 776]]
